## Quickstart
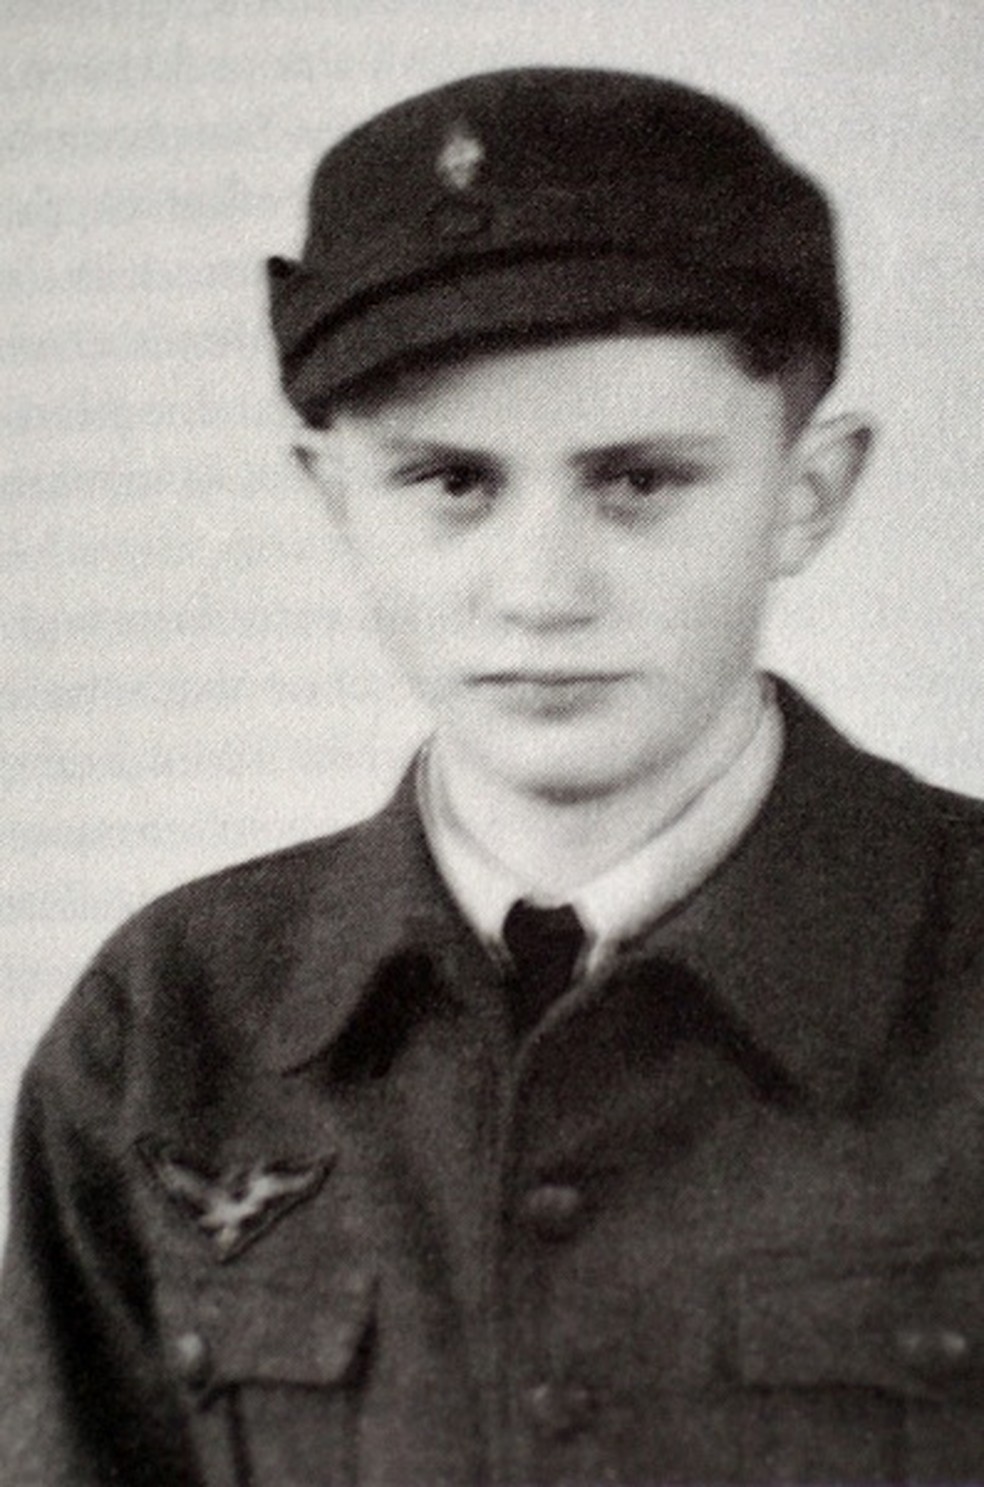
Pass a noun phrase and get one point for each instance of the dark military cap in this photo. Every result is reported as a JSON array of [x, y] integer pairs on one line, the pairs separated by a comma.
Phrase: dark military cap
[[539, 202]]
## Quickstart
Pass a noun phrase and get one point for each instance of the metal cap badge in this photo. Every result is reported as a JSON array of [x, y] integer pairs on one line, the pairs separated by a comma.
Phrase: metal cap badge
[[460, 157]]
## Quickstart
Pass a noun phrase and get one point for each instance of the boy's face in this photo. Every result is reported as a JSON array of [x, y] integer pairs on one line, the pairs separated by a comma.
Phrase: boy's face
[[568, 550]]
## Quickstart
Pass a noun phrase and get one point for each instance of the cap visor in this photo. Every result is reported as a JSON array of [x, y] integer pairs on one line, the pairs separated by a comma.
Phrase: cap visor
[[515, 301]]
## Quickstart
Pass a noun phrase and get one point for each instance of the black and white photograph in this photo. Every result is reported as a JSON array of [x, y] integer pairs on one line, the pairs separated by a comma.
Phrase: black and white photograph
[[493, 737]]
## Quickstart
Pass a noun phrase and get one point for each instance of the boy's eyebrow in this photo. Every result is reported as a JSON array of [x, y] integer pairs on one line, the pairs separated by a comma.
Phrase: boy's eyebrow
[[432, 449], [655, 447]]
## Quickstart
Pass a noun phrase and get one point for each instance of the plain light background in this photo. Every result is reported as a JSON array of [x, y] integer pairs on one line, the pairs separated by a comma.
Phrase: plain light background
[[184, 679]]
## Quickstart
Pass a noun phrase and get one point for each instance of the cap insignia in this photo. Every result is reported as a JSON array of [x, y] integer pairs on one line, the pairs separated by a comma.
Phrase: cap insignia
[[460, 158]]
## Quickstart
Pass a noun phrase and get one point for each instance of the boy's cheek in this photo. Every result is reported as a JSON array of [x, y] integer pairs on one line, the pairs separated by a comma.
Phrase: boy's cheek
[[393, 564], [414, 637]]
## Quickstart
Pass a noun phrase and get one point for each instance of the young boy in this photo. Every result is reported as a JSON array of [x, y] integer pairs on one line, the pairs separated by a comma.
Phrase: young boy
[[608, 1109]]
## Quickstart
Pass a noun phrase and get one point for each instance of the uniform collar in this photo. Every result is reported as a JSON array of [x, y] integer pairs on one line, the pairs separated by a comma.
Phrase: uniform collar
[[805, 933]]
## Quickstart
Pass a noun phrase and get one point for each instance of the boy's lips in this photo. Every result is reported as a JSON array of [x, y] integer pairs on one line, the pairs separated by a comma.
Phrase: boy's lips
[[550, 678], [549, 692]]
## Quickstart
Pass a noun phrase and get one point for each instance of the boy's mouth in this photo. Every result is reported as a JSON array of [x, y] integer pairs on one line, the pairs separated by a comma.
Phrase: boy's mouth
[[550, 691], [552, 678]]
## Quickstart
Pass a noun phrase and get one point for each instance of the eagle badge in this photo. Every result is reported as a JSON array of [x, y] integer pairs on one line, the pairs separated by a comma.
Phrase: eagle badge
[[233, 1207]]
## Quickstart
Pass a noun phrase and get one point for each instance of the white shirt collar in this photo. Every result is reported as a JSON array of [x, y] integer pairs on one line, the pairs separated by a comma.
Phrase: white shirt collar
[[637, 891]]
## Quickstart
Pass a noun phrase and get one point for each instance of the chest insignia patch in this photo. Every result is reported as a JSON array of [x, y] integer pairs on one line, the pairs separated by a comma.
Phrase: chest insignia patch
[[232, 1208]]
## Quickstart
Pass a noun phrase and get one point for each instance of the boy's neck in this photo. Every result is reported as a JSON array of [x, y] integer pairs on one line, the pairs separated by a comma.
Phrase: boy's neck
[[557, 845]]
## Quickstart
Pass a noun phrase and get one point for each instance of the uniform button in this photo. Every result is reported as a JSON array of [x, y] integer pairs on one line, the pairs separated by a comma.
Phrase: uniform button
[[558, 1410], [191, 1359], [934, 1352], [552, 1209]]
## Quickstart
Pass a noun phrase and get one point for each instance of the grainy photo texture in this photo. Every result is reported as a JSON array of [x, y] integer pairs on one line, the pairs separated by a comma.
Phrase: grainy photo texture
[[495, 739]]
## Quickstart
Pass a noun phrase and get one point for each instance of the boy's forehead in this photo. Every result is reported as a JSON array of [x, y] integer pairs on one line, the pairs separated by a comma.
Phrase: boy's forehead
[[590, 390]]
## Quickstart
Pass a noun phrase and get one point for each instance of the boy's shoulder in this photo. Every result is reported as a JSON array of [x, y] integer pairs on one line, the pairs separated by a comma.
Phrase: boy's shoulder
[[262, 899], [208, 962], [822, 754]]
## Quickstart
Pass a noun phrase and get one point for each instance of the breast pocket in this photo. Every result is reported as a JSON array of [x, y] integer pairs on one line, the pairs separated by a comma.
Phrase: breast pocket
[[272, 1376], [864, 1372]]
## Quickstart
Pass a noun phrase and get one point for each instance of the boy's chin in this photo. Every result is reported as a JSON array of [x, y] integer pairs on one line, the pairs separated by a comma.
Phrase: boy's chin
[[563, 776]]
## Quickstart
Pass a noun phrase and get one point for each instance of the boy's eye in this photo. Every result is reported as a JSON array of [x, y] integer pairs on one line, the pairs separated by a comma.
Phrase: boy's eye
[[649, 480], [452, 479], [462, 480]]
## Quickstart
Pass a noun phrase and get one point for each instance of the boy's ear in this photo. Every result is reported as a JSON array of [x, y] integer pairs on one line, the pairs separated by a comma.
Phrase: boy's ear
[[826, 463], [319, 462]]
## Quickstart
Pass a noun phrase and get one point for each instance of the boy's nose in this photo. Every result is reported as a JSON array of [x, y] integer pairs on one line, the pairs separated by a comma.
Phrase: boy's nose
[[543, 568]]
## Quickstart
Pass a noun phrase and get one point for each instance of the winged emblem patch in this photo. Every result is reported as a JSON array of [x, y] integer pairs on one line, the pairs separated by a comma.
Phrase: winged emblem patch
[[233, 1207]]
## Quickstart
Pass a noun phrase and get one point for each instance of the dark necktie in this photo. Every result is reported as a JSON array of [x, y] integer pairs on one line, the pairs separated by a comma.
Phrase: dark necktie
[[544, 945]]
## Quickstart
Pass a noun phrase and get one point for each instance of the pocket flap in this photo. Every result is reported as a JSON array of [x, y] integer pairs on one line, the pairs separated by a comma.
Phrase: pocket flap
[[220, 1332], [906, 1326]]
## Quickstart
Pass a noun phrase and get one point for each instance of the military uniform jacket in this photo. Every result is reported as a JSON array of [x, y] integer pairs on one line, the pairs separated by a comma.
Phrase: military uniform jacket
[[292, 1209]]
